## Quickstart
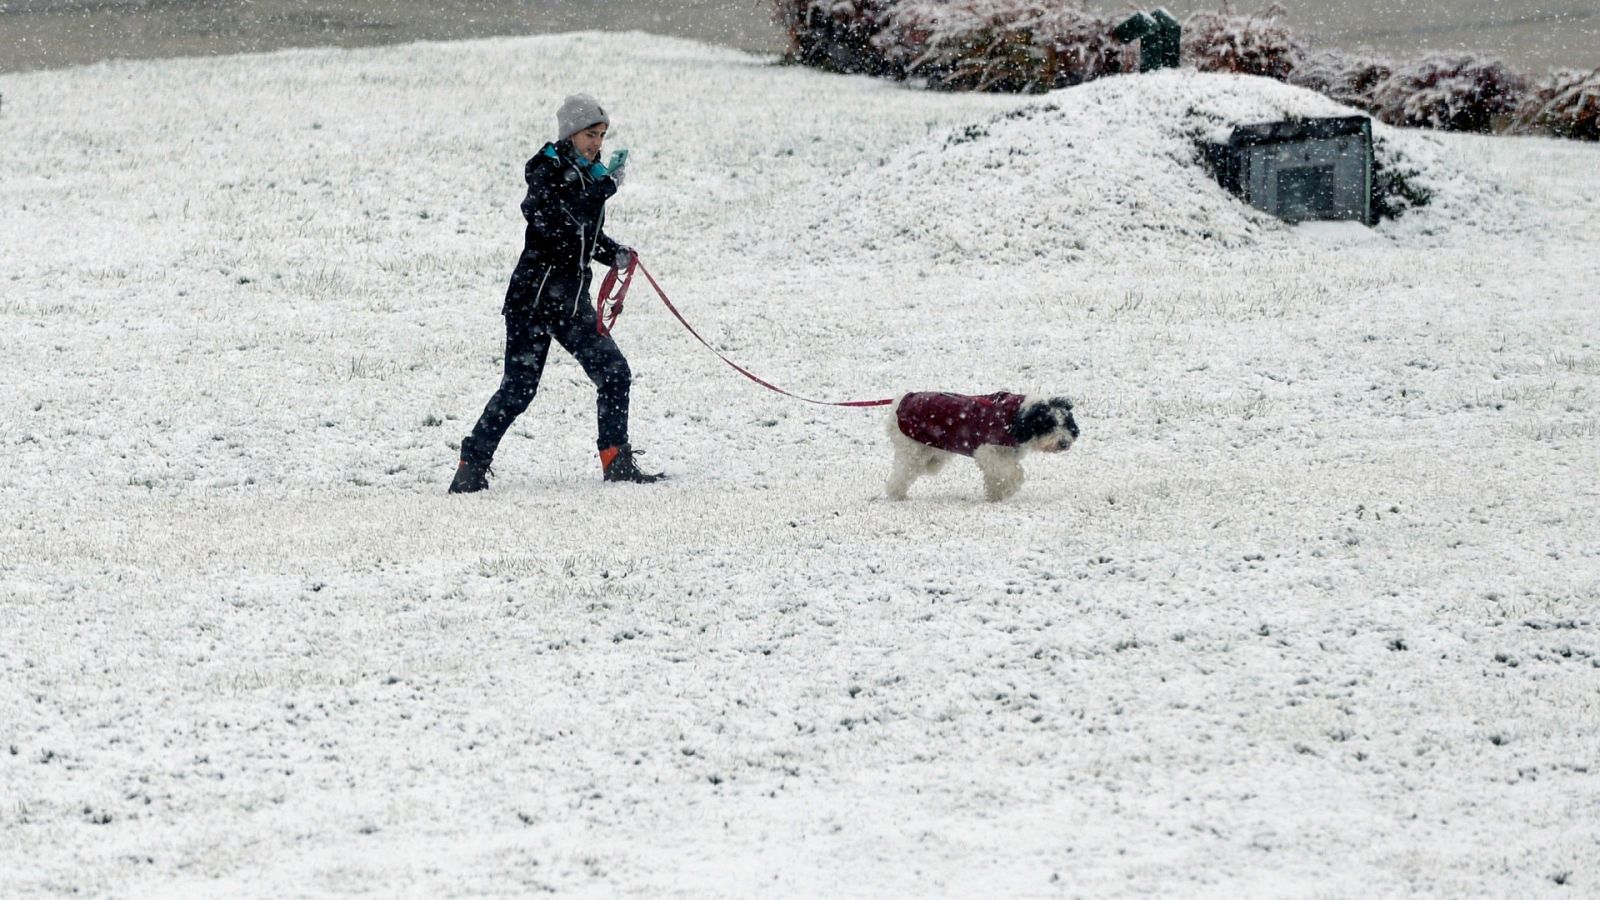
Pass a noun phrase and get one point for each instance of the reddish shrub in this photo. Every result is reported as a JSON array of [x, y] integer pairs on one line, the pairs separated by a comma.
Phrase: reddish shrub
[[1082, 48], [1038, 45], [834, 34], [1249, 45], [998, 45], [1453, 93], [1565, 104], [1351, 80]]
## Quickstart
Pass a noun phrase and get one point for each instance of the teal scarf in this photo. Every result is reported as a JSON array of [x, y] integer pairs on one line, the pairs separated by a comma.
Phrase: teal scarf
[[596, 170]]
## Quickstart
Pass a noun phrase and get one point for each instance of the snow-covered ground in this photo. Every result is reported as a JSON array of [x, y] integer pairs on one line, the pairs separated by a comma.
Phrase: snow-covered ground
[[1313, 609]]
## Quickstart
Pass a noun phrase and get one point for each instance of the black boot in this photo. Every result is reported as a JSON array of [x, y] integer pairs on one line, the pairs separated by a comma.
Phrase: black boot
[[618, 465], [470, 477]]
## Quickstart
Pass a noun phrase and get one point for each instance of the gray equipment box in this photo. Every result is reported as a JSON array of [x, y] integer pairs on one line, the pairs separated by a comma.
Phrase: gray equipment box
[[1299, 169]]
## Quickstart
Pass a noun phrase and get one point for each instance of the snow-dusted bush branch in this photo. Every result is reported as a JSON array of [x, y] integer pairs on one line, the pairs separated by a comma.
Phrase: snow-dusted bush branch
[[1565, 104], [998, 45], [1450, 92], [1250, 45], [1349, 79], [834, 34]]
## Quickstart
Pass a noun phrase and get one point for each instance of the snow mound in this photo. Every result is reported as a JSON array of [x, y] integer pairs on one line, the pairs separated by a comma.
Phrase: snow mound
[[1111, 168]]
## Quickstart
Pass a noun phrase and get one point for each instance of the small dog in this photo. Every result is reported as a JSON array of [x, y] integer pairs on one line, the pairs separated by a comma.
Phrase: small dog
[[996, 430]]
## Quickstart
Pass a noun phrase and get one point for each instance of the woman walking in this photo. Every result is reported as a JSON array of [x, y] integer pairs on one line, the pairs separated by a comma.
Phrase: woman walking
[[548, 298]]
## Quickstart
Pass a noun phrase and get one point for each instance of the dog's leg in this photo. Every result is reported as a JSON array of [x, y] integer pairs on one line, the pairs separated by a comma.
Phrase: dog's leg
[[910, 462], [911, 458], [1002, 471], [906, 470], [900, 478]]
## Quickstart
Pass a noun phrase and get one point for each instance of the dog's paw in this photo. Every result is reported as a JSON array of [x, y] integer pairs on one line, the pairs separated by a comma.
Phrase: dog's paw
[[997, 489]]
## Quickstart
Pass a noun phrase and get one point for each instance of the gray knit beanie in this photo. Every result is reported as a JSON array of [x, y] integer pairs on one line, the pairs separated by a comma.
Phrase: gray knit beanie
[[578, 112]]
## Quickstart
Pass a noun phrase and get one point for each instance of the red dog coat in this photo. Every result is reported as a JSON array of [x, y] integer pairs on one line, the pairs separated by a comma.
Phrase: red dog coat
[[959, 423]]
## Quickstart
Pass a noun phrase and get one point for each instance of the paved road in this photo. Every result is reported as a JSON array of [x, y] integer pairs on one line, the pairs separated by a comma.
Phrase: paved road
[[42, 34]]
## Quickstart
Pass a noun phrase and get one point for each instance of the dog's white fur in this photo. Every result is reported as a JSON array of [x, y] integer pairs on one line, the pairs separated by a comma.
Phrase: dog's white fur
[[1001, 466]]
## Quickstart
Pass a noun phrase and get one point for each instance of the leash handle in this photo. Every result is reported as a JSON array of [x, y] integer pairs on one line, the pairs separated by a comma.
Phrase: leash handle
[[608, 307], [736, 367]]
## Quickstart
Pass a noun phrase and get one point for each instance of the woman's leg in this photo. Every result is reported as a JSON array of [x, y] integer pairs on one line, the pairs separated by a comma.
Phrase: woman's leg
[[603, 362], [527, 347]]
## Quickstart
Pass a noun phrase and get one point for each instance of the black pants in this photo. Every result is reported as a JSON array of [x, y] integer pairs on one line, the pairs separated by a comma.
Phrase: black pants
[[527, 346]]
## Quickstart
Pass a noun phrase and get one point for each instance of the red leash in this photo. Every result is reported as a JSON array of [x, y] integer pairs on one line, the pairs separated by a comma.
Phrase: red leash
[[608, 307], [606, 304]]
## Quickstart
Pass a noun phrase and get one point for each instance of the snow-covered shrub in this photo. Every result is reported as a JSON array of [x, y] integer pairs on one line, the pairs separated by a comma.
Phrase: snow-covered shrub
[[1081, 46], [1450, 92], [1395, 182], [1565, 103], [835, 34], [1344, 77], [998, 45], [1249, 45], [1039, 45]]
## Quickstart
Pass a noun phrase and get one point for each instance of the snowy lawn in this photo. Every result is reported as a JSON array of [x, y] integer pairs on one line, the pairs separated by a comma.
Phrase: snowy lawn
[[1313, 609]]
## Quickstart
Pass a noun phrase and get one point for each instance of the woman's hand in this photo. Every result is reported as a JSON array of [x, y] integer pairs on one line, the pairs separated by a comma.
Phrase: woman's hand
[[618, 166]]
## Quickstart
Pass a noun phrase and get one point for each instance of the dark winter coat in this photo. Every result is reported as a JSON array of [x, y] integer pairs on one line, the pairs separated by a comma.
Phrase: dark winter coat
[[566, 212], [959, 423]]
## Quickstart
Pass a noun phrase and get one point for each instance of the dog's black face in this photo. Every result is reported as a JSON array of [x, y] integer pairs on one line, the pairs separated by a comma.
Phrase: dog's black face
[[1045, 425]]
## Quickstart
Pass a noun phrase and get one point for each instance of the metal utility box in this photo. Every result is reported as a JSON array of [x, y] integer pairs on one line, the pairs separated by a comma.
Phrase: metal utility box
[[1159, 35], [1299, 169]]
